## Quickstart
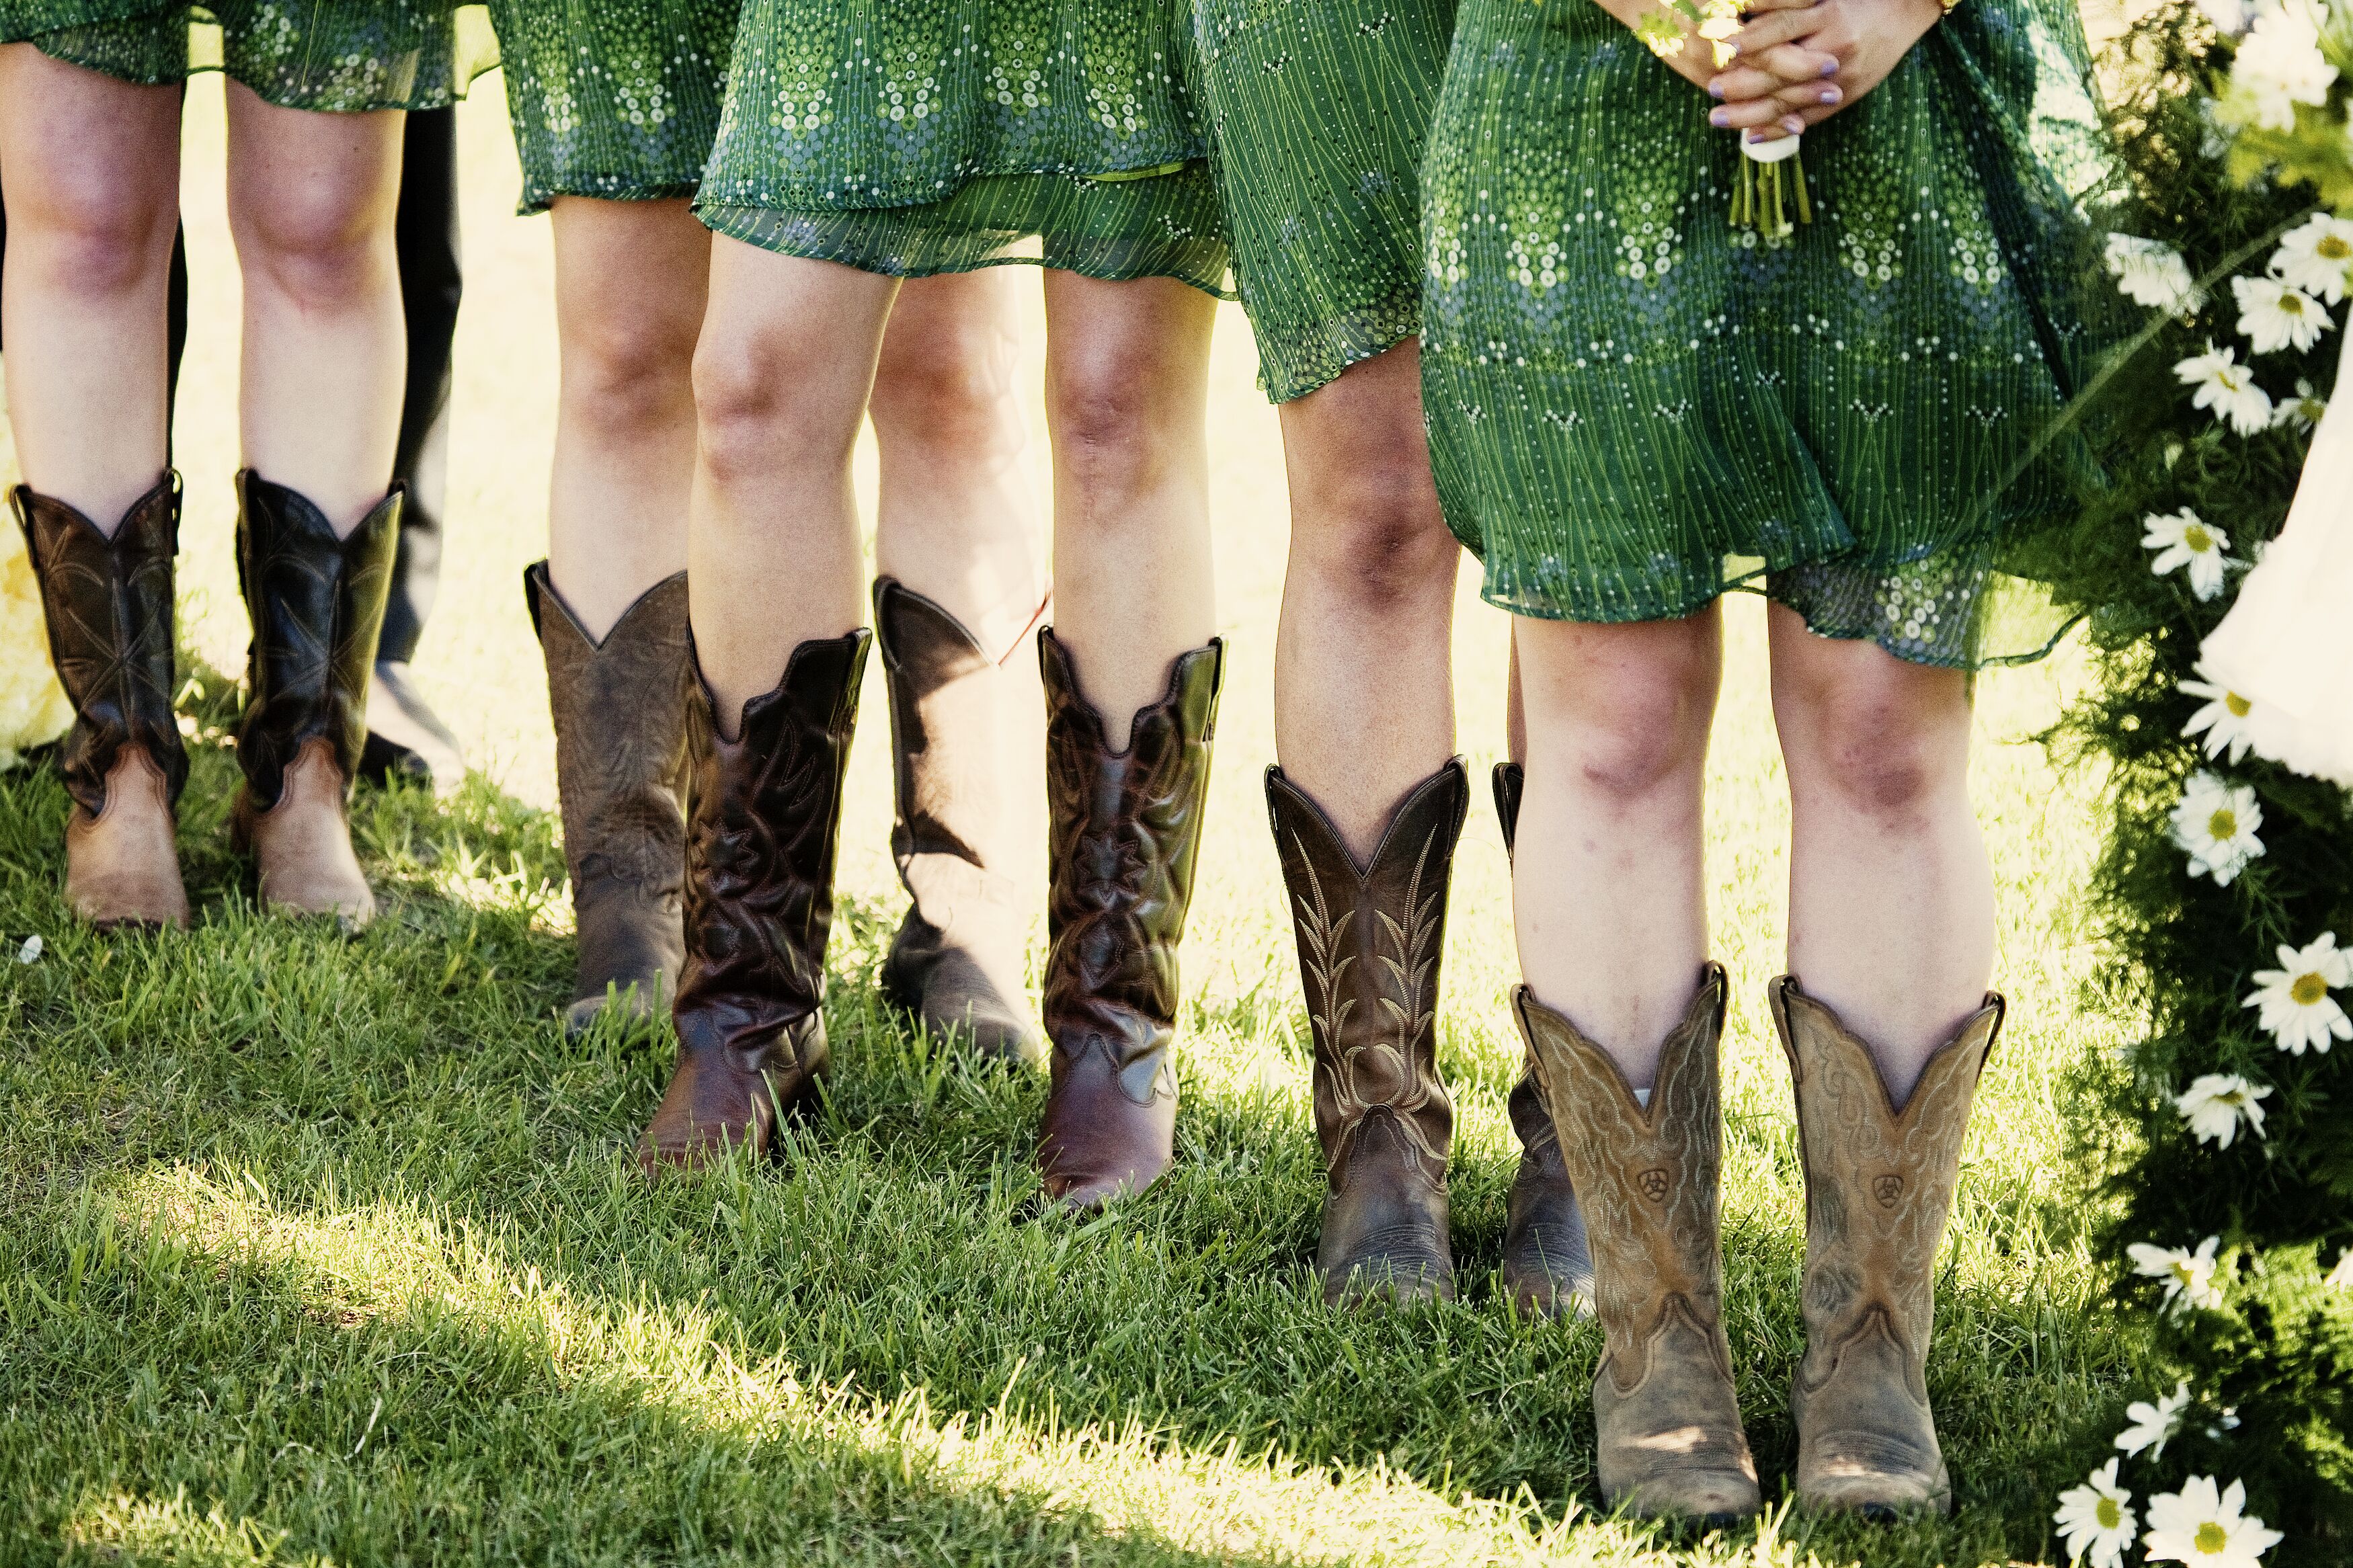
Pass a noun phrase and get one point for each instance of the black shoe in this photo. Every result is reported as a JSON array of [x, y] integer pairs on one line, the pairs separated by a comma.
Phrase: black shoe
[[405, 738]]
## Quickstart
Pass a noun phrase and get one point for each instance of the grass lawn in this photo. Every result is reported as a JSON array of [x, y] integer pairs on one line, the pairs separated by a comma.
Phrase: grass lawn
[[322, 1250]]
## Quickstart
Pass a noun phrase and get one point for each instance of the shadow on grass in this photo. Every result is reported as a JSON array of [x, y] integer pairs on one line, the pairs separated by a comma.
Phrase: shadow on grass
[[417, 1077]]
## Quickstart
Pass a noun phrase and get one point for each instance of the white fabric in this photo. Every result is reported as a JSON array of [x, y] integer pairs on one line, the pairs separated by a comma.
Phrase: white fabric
[[2287, 644]]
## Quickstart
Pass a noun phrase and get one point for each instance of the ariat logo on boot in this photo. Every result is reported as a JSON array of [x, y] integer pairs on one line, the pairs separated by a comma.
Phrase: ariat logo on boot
[[1887, 1189], [1653, 1183]]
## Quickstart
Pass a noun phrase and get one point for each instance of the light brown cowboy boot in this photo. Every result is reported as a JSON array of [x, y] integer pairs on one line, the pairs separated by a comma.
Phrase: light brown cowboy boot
[[1667, 1420], [1879, 1185]]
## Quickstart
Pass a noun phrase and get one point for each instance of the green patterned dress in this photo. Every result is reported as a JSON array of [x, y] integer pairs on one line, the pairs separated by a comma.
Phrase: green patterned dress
[[912, 137], [1632, 405], [617, 101], [341, 55], [1318, 111]]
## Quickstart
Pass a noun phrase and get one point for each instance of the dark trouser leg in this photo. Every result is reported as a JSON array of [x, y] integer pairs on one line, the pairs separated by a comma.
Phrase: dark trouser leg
[[405, 735]]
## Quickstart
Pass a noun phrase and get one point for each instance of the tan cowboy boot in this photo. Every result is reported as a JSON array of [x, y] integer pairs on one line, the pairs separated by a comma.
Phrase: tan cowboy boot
[[1879, 1187], [1667, 1420], [108, 603]]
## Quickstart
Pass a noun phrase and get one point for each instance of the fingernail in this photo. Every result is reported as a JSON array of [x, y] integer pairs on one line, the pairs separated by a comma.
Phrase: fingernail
[[1830, 67], [1793, 125], [1719, 117], [1715, 90], [1831, 95]]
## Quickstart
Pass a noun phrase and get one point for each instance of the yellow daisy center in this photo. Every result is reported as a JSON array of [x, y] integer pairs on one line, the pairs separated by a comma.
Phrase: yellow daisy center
[[2237, 704], [2181, 1272], [2197, 539], [2223, 824], [2307, 990], [2211, 1540], [2333, 248], [2291, 304], [2108, 1513]]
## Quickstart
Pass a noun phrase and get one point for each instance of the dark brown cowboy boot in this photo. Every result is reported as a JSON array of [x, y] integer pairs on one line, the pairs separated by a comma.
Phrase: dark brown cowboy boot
[[761, 834], [956, 963], [1669, 1437], [1547, 1264], [108, 603], [317, 603], [1370, 940], [1879, 1187], [1125, 828], [620, 770]]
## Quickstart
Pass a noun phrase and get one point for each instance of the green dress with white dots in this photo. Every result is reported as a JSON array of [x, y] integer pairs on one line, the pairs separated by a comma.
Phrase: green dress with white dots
[[1634, 405], [336, 55], [912, 137], [615, 101]]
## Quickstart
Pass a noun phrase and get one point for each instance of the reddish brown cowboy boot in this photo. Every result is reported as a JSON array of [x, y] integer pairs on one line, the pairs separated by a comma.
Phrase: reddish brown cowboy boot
[[1668, 1423], [1125, 828], [761, 839], [1879, 1187], [108, 604], [1370, 938]]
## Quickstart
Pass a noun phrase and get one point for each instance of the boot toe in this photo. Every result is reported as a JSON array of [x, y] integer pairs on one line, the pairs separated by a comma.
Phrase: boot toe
[[632, 1002], [1712, 1497], [1872, 1475], [1398, 1275]]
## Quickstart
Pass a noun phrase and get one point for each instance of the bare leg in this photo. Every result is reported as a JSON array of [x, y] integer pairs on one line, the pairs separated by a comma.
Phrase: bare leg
[[781, 377], [956, 521], [1890, 895], [631, 285], [311, 199], [92, 169], [1364, 687], [1607, 887], [1126, 399]]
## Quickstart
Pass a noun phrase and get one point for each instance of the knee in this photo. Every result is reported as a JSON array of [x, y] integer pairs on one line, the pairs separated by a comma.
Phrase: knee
[[1881, 744], [1626, 715], [953, 398], [91, 243], [1110, 429], [629, 375], [759, 406], [320, 247], [1374, 540]]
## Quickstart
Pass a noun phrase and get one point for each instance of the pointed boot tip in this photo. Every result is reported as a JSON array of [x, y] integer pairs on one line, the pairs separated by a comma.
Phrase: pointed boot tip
[[1716, 1499]]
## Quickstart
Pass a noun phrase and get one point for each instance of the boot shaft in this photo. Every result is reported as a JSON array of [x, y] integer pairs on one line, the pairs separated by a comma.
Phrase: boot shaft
[[108, 604], [764, 824], [316, 606], [1370, 941]]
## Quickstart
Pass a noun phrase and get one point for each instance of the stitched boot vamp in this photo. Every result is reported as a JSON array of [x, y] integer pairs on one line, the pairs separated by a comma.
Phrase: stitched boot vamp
[[301, 845], [621, 760], [1547, 1265], [761, 842], [1385, 1217], [1648, 1180], [1879, 1189], [1124, 832]]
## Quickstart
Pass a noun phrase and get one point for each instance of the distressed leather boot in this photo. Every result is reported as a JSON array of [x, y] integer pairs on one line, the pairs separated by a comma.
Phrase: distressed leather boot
[[956, 963], [1669, 1436], [1879, 1187], [1370, 940], [1547, 1263], [620, 709], [108, 603], [761, 834], [317, 603], [1125, 828]]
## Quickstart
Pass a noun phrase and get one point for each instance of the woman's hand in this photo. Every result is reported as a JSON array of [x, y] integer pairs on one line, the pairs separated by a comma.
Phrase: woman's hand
[[1780, 80]]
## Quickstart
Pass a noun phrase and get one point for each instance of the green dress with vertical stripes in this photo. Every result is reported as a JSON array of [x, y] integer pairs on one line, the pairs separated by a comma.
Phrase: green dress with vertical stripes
[[615, 102], [1633, 405], [341, 55], [911, 137]]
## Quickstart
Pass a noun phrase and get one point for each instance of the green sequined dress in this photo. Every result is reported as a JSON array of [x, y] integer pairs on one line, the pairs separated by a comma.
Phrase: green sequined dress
[[1318, 112], [912, 137], [341, 55], [1632, 405], [617, 101]]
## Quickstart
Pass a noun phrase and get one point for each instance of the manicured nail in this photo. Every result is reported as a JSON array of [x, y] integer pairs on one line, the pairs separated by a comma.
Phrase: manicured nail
[[1830, 67], [1793, 125], [1720, 117], [1715, 90], [1831, 95]]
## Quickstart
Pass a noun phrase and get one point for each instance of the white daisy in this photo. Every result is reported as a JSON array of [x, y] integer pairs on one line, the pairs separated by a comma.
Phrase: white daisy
[[2298, 1010], [2223, 719], [2097, 1519], [2216, 1102], [2216, 823], [2197, 1525], [2188, 1282], [2153, 1426], [2304, 410], [2227, 387], [2316, 258], [2280, 65], [2276, 316], [2185, 539], [2230, 16], [2152, 273], [2341, 1277]]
